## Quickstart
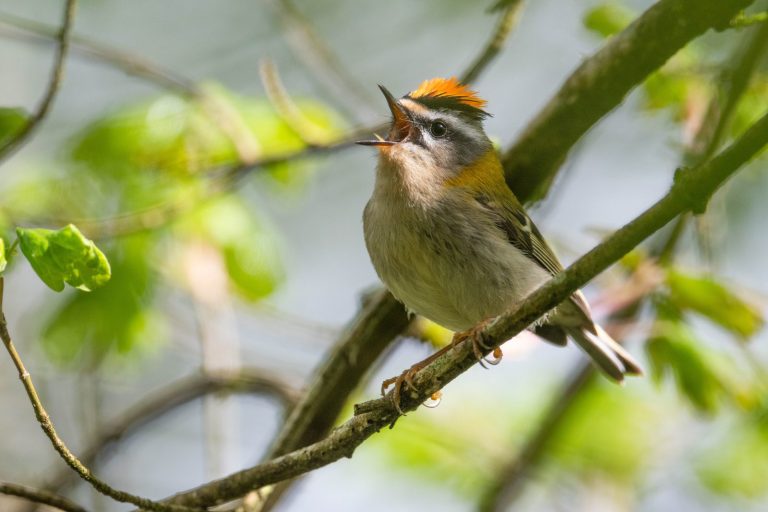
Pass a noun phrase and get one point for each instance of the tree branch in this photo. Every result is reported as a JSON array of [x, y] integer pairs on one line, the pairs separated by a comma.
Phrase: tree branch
[[690, 191], [101, 52], [175, 395], [58, 444], [601, 82], [40, 496], [21, 136], [508, 484], [507, 21]]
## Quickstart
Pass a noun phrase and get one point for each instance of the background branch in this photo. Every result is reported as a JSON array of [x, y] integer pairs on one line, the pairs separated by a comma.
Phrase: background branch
[[246, 381], [58, 444], [54, 82], [509, 482], [601, 82], [40, 496]]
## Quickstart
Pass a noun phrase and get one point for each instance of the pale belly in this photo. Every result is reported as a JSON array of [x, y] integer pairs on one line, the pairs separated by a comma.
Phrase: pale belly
[[454, 270]]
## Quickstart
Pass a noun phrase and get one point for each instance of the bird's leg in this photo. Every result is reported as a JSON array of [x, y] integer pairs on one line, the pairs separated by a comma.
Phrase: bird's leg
[[407, 377], [475, 336]]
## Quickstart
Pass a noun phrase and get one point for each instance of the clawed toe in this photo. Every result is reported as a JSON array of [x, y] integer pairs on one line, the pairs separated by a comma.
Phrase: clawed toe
[[475, 336]]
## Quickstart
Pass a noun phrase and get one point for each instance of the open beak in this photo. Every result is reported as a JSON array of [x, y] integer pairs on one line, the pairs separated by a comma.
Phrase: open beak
[[401, 123]]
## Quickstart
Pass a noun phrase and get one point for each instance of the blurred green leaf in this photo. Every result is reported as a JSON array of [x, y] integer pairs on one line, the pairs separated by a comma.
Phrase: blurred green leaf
[[3, 260], [608, 18], [117, 318], [738, 465], [715, 301], [183, 136], [64, 256], [608, 430], [248, 246], [11, 121], [700, 375]]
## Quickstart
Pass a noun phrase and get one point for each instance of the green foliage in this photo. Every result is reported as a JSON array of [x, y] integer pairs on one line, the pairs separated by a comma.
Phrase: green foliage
[[64, 256], [120, 316], [11, 121], [186, 136], [608, 430], [738, 465], [702, 376], [710, 298], [3, 259], [608, 18], [246, 244]]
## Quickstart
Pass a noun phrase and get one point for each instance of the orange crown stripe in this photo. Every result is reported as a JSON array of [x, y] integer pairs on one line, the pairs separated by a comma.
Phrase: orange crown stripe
[[448, 87]]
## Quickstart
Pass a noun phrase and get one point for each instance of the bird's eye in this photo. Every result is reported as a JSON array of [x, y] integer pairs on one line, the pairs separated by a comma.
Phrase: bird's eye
[[438, 129]]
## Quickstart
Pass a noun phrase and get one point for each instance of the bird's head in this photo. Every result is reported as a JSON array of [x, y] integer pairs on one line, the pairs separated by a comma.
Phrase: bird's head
[[437, 129]]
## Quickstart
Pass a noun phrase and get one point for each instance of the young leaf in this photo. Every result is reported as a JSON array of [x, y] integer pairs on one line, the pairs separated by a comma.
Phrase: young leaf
[[714, 301], [11, 121], [698, 373], [64, 256], [608, 18]]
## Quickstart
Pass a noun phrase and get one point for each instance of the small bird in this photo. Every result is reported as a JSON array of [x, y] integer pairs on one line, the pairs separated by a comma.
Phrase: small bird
[[451, 241]]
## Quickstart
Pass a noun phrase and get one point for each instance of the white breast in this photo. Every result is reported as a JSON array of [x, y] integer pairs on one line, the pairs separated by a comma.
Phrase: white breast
[[446, 260]]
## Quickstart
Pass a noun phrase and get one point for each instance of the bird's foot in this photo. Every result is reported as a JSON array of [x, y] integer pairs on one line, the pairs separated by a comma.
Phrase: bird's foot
[[477, 338], [406, 378]]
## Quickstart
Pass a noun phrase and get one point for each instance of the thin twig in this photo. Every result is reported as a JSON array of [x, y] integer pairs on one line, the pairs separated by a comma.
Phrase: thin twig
[[40, 496], [58, 444], [507, 21], [127, 62], [54, 82], [690, 191], [287, 109], [311, 49]]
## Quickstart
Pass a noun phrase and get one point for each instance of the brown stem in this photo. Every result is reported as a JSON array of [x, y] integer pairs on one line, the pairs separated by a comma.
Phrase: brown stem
[[40, 496], [54, 82], [601, 82], [58, 444]]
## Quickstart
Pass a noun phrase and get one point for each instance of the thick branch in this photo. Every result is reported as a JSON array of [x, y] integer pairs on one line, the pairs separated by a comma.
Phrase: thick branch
[[509, 482], [21, 136], [601, 82], [690, 190], [40, 496]]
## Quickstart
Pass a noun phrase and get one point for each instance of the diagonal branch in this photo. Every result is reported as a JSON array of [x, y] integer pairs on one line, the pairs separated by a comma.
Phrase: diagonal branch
[[600, 83], [57, 74], [509, 482], [690, 191], [40, 496]]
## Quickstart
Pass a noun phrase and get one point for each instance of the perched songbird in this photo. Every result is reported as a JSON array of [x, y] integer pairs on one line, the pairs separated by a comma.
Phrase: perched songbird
[[448, 237]]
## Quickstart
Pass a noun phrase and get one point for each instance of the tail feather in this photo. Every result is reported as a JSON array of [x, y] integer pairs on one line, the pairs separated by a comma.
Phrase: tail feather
[[606, 353]]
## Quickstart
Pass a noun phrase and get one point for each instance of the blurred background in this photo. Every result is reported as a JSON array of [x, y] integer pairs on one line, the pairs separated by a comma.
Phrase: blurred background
[[261, 271]]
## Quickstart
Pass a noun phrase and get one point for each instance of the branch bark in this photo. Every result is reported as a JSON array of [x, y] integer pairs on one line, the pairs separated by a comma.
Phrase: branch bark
[[177, 394], [58, 444], [690, 191], [54, 82], [734, 79], [601, 82], [40, 496]]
